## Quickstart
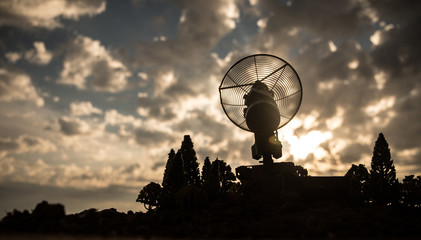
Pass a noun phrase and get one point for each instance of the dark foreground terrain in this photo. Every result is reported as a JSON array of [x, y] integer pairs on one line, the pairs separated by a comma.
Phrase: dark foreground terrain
[[289, 218]]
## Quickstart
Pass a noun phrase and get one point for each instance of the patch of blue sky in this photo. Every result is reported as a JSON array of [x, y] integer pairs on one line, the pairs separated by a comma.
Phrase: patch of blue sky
[[246, 28], [123, 24]]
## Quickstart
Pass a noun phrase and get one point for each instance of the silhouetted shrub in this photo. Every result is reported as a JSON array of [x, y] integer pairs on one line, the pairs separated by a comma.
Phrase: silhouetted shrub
[[358, 185], [411, 190], [300, 171], [51, 211], [150, 196]]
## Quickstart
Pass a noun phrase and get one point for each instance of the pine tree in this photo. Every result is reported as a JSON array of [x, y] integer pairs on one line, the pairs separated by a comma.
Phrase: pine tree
[[384, 186], [179, 177], [205, 170], [190, 164], [174, 178], [168, 168]]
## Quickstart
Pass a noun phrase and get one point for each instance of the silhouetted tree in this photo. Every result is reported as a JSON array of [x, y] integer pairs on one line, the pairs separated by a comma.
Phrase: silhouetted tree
[[150, 196], [359, 177], [190, 164], [300, 171], [220, 178], [173, 179], [205, 170], [411, 190], [384, 186], [168, 170], [227, 177]]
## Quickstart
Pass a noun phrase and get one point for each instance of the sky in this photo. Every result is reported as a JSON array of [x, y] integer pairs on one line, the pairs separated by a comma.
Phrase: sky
[[94, 94]]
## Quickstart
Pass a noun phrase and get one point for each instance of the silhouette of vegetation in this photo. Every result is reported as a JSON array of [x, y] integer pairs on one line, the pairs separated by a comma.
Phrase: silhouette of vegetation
[[219, 179], [205, 170], [359, 177], [300, 171], [174, 179], [190, 164], [191, 197], [150, 196], [219, 208], [383, 184], [411, 191], [182, 184], [380, 185]]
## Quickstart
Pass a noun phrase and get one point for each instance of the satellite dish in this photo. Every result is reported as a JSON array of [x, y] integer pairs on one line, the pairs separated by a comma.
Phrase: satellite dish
[[261, 93]]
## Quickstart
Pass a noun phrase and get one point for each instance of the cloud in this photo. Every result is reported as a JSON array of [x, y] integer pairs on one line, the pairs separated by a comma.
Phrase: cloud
[[46, 14], [8, 145], [39, 55], [85, 59], [374, 87], [17, 86], [348, 82], [113, 117], [295, 17], [73, 126], [13, 57], [83, 109], [148, 137], [39, 171], [181, 67], [26, 143]]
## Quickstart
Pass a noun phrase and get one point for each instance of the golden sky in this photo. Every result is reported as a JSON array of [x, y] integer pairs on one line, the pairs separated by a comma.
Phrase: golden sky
[[94, 94]]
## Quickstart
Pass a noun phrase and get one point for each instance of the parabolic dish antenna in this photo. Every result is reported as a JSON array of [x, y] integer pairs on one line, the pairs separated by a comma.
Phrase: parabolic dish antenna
[[261, 93]]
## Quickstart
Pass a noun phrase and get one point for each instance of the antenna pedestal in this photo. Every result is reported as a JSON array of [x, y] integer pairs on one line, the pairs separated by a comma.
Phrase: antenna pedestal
[[266, 146]]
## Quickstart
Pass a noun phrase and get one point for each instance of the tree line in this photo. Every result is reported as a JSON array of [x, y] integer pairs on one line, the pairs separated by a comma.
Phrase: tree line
[[379, 185], [182, 183]]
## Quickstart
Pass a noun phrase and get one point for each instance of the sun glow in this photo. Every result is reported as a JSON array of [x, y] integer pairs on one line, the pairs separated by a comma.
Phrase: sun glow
[[302, 146]]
